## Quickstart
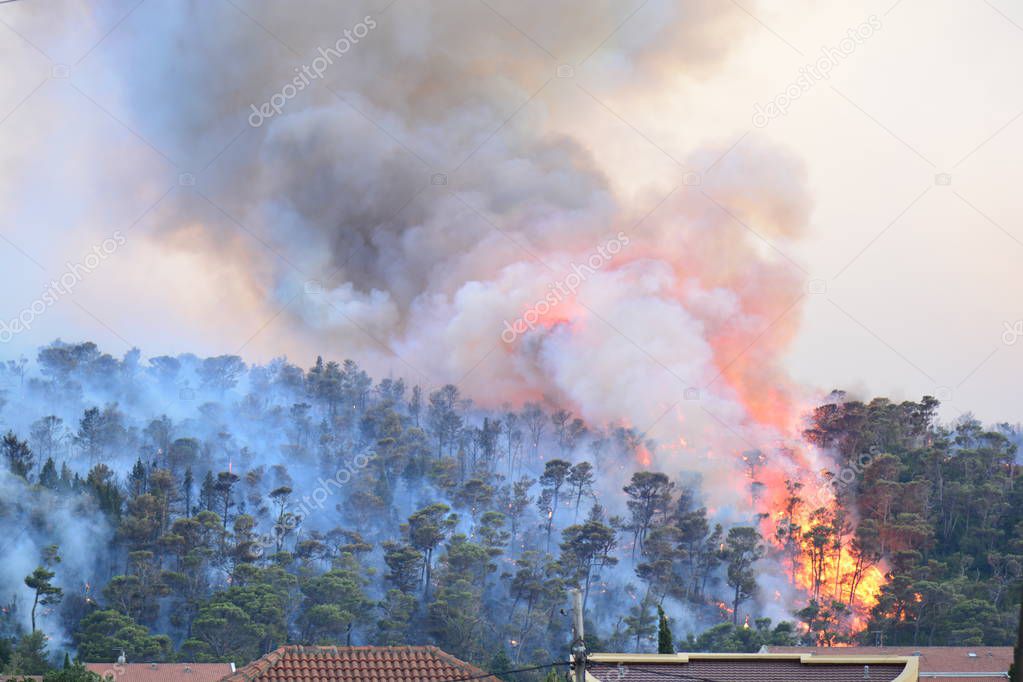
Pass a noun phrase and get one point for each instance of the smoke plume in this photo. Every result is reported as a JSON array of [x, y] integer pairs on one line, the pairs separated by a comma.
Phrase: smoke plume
[[462, 168]]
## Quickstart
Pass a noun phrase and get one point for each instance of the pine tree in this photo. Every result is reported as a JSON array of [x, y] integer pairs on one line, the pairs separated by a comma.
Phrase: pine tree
[[41, 582], [137, 479], [48, 477], [500, 662], [742, 550], [640, 624], [18, 455], [427, 528], [67, 477], [186, 489], [208, 493], [30, 656], [72, 672]]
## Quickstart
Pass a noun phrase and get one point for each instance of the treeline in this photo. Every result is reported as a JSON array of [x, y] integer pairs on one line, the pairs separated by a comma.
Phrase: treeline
[[319, 506], [941, 508], [248, 507]]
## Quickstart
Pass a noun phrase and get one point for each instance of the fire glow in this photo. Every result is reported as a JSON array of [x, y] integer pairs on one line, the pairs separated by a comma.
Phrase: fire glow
[[825, 570], [777, 480], [805, 528]]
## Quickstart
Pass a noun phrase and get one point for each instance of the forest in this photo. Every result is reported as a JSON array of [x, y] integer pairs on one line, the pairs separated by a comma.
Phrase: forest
[[204, 509]]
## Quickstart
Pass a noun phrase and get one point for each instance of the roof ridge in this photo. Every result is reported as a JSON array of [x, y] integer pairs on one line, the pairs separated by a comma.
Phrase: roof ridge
[[258, 666], [423, 660], [313, 648]]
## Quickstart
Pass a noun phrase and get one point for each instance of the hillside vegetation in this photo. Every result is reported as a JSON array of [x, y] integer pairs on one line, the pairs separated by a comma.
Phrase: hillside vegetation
[[201, 509]]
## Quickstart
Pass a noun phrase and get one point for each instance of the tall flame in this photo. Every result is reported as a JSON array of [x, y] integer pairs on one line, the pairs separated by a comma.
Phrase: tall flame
[[806, 528], [825, 568]]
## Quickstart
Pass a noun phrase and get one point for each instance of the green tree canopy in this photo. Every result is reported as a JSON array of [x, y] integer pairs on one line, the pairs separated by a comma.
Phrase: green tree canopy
[[104, 632]]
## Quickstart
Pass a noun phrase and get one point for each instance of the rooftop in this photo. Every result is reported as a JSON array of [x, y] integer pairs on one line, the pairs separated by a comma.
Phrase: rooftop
[[957, 663], [763, 667], [162, 672], [357, 664]]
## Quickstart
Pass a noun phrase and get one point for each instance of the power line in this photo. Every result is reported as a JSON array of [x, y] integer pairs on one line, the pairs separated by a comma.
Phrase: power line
[[677, 676]]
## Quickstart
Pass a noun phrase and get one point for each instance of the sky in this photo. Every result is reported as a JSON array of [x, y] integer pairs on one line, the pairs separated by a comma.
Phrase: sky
[[880, 205]]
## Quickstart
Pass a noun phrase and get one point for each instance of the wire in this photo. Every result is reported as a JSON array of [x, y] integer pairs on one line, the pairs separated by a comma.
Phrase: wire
[[506, 672], [23, 529], [675, 676]]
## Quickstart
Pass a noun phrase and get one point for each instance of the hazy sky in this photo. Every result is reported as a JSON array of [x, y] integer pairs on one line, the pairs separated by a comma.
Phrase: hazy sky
[[908, 151]]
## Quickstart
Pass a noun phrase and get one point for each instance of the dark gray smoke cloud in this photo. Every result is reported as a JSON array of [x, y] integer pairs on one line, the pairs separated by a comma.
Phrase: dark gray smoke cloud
[[444, 175]]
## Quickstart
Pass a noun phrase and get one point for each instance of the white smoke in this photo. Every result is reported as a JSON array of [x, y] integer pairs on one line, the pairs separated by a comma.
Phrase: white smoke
[[441, 177], [437, 180]]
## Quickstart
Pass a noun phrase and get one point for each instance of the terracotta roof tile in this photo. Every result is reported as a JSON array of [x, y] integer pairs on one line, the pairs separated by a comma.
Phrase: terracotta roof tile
[[162, 672], [357, 664]]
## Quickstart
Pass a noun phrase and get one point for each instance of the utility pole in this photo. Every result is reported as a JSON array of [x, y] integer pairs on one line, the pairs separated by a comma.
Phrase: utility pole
[[1017, 669], [578, 641]]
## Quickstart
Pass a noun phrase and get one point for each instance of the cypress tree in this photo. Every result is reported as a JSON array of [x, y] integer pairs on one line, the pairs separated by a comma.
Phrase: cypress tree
[[665, 643]]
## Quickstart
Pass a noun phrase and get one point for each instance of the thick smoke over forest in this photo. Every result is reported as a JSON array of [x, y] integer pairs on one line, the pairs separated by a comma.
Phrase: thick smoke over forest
[[206, 509], [395, 208], [563, 370], [112, 460]]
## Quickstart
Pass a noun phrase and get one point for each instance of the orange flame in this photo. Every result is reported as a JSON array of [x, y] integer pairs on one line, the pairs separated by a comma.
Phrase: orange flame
[[814, 541], [818, 559]]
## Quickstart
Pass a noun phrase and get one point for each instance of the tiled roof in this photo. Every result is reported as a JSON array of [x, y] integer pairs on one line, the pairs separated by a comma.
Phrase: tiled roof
[[933, 659], [358, 664], [743, 668], [162, 672]]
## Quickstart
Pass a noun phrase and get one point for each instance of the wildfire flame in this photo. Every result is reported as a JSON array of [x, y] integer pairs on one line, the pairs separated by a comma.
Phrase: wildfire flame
[[817, 537], [805, 527], [644, 457]]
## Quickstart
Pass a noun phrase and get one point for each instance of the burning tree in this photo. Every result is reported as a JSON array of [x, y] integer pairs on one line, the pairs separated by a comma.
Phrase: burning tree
[[40, 581], [742, 549]]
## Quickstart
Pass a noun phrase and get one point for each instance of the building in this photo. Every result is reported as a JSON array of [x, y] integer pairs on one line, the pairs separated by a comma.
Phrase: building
[[358, 664], [161, 672], [761, 667], [953, 663]]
